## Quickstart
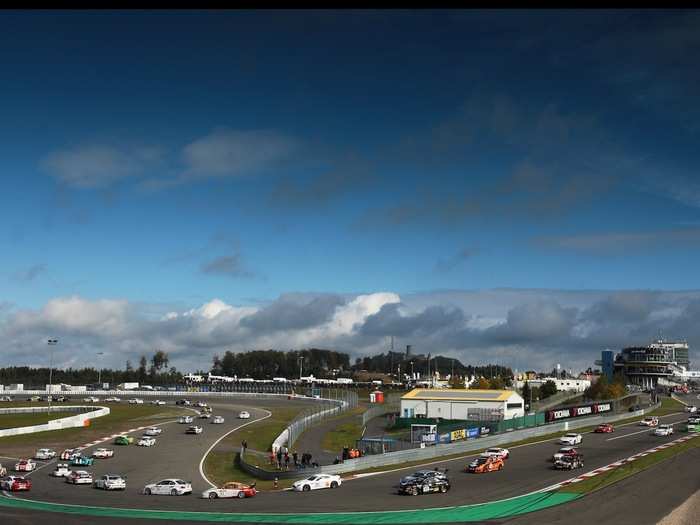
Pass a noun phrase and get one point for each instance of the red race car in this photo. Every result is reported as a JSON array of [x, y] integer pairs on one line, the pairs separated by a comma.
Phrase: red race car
[[15, 483], [604, 428]]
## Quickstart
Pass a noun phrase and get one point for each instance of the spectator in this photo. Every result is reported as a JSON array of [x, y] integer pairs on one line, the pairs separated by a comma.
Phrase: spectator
[[244, 444], [272, 457], [279, 458], [295, 457], [286, 461]]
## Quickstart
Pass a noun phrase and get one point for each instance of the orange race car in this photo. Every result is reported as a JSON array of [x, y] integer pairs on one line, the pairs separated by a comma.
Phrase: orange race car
[[485, 464]]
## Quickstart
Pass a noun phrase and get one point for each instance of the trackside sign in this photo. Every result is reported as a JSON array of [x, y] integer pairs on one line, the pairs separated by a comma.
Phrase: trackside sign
[[583, 410]]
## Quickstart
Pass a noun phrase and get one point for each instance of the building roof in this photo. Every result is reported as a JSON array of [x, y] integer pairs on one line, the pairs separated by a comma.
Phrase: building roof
[[454, 394]]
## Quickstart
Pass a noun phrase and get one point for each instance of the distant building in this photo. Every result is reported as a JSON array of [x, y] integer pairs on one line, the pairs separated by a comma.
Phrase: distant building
[[644, 366], [569, 385], [474, 405], [607, 363]]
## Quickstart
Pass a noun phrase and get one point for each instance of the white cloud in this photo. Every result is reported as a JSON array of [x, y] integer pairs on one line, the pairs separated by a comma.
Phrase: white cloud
[[95, 166]]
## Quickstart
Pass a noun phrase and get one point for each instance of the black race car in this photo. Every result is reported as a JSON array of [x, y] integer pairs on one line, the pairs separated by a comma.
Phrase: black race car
[[569, 462], [424, 481]]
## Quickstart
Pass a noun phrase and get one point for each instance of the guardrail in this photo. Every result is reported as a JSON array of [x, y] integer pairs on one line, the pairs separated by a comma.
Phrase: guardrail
[[437, 451], [79, 420]]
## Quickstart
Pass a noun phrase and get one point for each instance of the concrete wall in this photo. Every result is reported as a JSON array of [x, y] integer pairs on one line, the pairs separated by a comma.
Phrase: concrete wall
[[55, 424]]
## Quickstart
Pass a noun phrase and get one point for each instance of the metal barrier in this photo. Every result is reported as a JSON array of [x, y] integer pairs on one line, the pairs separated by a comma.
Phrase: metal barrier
[[54, 424]]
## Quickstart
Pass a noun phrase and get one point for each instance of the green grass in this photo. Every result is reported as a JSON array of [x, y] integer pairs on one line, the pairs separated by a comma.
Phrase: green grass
[[630, 469], [345, 434], [261, 435], [26, 420]]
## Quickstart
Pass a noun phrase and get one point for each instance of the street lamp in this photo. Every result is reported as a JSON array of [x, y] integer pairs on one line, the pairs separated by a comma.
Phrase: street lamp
[[412, 374], [51, 343], [99, 373]]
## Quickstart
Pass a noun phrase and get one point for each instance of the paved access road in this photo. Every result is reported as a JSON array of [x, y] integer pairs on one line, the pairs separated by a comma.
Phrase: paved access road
[[178, 455]]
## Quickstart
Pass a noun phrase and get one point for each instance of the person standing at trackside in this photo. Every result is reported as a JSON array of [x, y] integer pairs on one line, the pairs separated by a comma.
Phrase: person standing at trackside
[[286, 461], [244, 444], [279, 458], [295, 457], [272, 458]]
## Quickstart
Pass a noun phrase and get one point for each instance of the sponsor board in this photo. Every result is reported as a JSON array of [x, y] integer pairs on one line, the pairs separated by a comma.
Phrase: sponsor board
[[583, 410]]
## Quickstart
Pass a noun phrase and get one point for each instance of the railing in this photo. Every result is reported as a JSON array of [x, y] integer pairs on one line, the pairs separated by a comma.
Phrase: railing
[[83, 418]]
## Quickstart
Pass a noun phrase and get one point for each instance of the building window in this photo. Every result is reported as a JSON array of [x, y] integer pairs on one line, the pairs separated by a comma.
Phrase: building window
[[514, 405]]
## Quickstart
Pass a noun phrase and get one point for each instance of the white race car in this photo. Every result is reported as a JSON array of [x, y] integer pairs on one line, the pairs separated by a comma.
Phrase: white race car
[[200, 404], [61, 471], [663, 430], [91, 399], [185, 420], [112, 399], [244, 415], [564, 451], [136, 401], [232, 489], [146, 441], [502, 453], [111, 482], [70, 453], [194, 430], [571, 439], [171, 487], [650, 421], [25, 465], [204, 415], [157, 402], [217, 420], [79, 477], [317, 481], [103, 453], [691, 408], [153, 431], [45, 453]]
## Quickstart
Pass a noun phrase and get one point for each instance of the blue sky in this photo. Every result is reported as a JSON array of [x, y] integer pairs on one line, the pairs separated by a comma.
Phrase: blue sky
[[169, 159]]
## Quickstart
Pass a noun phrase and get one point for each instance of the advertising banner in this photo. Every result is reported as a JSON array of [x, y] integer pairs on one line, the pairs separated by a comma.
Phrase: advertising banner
[[473, 432], [457, 434], [584, 410]]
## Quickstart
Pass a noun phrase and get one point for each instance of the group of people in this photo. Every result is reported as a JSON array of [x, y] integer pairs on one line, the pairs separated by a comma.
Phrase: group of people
[[281, 459]]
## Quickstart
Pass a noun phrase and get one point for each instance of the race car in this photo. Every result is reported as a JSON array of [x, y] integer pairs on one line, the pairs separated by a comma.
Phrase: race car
[[200, 404], [79, 477], [136, 401], [15, 483], [217, 420], [204, 415], [571, 439], [185, 420], [24, 465], [663, 430], [5, 399], [69, 453], [171, 487], [502, 453], [243, 415], [61, 471], [45, 453], [569, 462], [111, 482], [424, 482], [232, 489], [34, 399], [604, 428], [183, 402], [564, 451], [123, 440], [485, 464], [112, 399], [153, 431], [103, 453], [691, 408], [91, 399], [650, 421], [157, 402], [82, 461], [317, 481], [194, 429], [694, 420], [146, 441]]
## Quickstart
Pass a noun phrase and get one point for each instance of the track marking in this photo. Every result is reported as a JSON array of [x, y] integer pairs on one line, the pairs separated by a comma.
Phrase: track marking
[[51, 462], [650, 430], [201, 462]]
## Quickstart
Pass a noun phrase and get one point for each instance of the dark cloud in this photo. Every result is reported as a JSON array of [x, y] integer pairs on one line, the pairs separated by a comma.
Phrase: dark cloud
[[541, 323], [287, 313], [389, 321], [622, 242], [450, 263]]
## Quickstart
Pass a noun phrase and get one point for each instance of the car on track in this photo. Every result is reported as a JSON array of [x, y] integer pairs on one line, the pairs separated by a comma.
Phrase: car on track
[[194, 429], [24, 465], [484, 464], [44, 453], [502, 453], [170, 487], [157, 402], [153, 431], [200, 404], [244, 415], [232, 489], [650, 421], [571, 439], [146, 441], [79, 477], [692, 427], [185, 420], [604, 428], [136, 401], [110, 482], [91, 399], [694, 420], [34, 399], [691, 408], [424, 482], [82, 461], [183, 402], [569, 462], [61, 471], [317, 481], [217, 420], [112, 400], [564, 451], [5, 399], [663, 430], [15, 483], [103, 453], [69, 453], [204, 415], [123, 440]]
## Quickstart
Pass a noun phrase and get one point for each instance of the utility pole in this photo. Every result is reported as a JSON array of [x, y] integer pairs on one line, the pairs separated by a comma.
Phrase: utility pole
[[51, 342], [99, 373]]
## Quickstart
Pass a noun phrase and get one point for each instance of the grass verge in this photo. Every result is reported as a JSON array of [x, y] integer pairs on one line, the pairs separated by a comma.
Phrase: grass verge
[[26, 420], [630, 469]]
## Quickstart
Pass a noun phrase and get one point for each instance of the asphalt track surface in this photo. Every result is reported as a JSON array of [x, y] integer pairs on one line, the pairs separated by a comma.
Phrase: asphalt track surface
[[178, 455]]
